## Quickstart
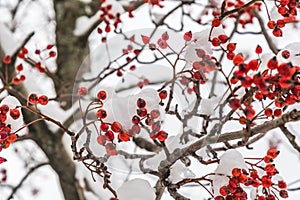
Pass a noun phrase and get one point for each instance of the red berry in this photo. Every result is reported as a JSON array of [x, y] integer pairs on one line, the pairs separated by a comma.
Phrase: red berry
[[230, 55], [43, 100], [280, 23], [282, 184], [52, 54], [135, 129], [4, 109], [266, 181], [32, 98], [268, 159], [163, 94], [82, 91], [215, 42], [107, 28], [149, 121], [142, 112], [109, 135], [236, 172], [284, 2], [272, 63], [123, 136], [11, 138], [271, 24], [49, 46], [20, 67], [253, 64], [187, 36], [238, 59], [234, 103], [2, 160], [216, 22], [231, 46], [141, 103], [258, 49], [154, 113], [119, 73], [223, 38], [162, 43], [273, 152], [200, 53], [268, 112], [162, 136], [14, 113], [116, 127], [277, 112], [135, 119], [101, 95], [285, 54], [165, 36], [223, 190], [22, 77], [7, 60], [283, 194], [101, 114], [282, 10], [277, 32], [111, 149], [101, 139], [104, 127], [145, 39]]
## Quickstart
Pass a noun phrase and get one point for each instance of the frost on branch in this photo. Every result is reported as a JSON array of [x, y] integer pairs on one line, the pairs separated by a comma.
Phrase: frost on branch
[[229, 160], [136, 189]]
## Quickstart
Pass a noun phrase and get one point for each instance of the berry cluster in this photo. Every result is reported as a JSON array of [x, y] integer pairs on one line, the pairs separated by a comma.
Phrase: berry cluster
[[205, 65], [142, 118], [288, 8], [234, 190], [110, 19], [35, 99], [18, 78], [23, 54], [279, 83], [6, 137], [245, 15], [150, 119], [162, 41]]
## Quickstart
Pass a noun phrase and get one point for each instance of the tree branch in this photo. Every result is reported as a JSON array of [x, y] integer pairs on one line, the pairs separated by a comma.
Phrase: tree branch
[[165, 165], [17, 187], [290, 137]]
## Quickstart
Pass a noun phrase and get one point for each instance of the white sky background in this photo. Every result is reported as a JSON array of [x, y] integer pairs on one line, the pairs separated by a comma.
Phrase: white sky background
[[288, 162]]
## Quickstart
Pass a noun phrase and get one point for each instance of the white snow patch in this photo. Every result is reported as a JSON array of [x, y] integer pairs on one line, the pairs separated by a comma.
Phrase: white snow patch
[[179, 171], [136, 189], [7, 40], [229, 160]]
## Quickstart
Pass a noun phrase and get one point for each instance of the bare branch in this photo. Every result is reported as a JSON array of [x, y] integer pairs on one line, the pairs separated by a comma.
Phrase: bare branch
[[290, 137], [17, 187]]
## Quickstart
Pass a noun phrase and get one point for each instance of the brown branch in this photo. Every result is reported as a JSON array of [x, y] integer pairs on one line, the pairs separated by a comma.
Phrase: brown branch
[[271, 44], [165, 165], [17, 187], [290, 137], [225, 14]]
